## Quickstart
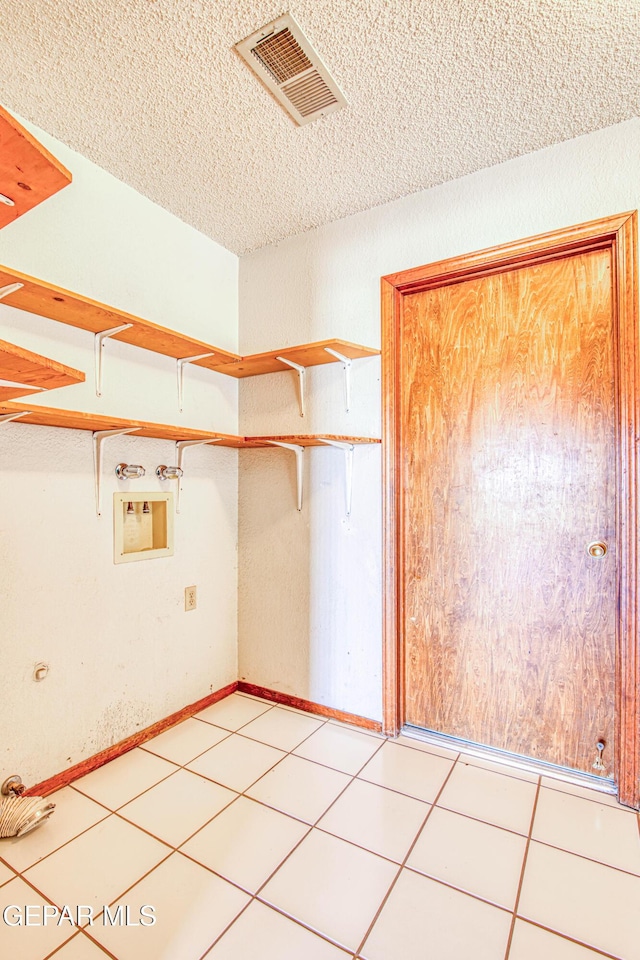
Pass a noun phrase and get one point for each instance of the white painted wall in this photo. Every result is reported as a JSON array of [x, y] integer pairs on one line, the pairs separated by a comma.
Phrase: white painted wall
[[310, 583], [123, 652]]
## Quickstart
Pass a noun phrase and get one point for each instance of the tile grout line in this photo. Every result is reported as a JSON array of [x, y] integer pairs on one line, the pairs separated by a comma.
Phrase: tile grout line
[[20, 873], [80, 933], [407, 855], [255, 896], [243, 793], [229, 733], [599, 797], [565, 936], [323, 722], [111, 902], [583, 856], [176, 849], [522, 871], [383, 740], [116, 810], [240, 793]]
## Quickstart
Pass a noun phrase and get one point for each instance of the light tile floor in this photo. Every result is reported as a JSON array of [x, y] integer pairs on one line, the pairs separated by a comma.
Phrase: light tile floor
[[256, 831]]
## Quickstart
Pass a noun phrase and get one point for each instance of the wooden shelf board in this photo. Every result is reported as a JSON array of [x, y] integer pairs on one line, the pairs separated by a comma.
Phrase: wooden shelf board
[[74, 420], [56, 303], [11, 392], [306, 354], [307, 440], [26, 367], [28, 172]]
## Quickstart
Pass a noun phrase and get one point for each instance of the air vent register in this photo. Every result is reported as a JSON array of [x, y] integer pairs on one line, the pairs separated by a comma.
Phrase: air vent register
[[285, 61]]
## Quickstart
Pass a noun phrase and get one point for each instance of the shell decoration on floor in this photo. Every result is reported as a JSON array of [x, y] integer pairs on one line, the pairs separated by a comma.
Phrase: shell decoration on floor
[[19, 815]]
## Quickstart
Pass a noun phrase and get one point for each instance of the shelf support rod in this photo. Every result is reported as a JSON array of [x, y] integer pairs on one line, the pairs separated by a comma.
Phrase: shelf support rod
[[8, 417], [300, 370], [299, 452], [181, 446], [348, 466], [180, 365], [9, 289], [98, 437], [98, 347], [346, 366]]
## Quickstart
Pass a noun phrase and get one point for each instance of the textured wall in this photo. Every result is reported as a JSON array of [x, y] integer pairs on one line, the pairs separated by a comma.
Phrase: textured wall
[[123, 652], [310, 583]]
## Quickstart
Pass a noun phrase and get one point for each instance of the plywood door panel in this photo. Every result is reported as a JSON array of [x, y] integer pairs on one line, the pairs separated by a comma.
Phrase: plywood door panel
[[507, 425]]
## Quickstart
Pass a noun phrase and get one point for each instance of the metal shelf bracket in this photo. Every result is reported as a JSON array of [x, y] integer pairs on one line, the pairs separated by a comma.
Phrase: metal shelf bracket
[[10, 288], [22, 386], [8, 417], [300, 370], [98, 437], [299, 452], [181, 446], [98, 347], [180, 365], [346, 366], [348, 466]]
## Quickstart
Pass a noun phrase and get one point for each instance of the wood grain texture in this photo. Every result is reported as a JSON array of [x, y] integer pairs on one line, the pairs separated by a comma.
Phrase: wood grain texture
[[593, 235], [76, 420], [29, 174], [619, 235], [47, 300], [392, 566], [307, 355], [63, 779], [56, 303], [309, 706], [26, 367], [625, 255], [307, 439], [508, 423]]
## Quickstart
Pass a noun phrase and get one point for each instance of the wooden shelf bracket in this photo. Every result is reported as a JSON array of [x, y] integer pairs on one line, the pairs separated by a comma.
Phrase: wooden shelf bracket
[[348, 466], [181, 362], [300, 370], [98, 344], [346, 366], [181, 446], [98, 437], [299, 452]]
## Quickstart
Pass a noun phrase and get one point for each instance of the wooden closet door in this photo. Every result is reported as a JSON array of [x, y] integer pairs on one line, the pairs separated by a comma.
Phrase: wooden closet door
[[507, 426]]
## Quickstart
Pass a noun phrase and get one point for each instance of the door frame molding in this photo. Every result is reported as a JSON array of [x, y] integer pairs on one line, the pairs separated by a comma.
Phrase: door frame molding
[[619, 234]]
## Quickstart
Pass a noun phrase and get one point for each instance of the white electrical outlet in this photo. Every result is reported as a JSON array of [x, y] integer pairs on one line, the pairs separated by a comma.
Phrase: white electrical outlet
[[190, 599]]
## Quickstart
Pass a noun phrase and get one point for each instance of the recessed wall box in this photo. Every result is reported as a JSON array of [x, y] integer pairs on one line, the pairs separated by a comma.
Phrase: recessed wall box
[[144, 532]]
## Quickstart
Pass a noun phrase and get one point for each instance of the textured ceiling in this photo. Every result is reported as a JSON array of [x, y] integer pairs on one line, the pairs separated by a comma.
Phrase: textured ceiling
[[152, 91]]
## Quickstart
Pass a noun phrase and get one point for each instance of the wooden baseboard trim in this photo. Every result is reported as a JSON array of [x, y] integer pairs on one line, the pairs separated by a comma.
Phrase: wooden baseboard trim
[[63, 779], [308, 706]]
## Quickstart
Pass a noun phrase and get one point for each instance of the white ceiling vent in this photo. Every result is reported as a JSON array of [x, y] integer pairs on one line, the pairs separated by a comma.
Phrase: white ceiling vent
[[287, 64]]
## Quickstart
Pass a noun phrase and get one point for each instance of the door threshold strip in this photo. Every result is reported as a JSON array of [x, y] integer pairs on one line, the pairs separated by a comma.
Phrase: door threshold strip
[[514, 760]]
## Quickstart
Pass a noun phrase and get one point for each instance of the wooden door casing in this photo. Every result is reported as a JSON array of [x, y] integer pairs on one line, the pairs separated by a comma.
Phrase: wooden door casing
[[618, 236], [508, 428]]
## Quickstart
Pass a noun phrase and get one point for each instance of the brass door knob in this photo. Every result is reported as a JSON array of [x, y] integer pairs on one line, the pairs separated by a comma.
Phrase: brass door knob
[[597, 549]]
